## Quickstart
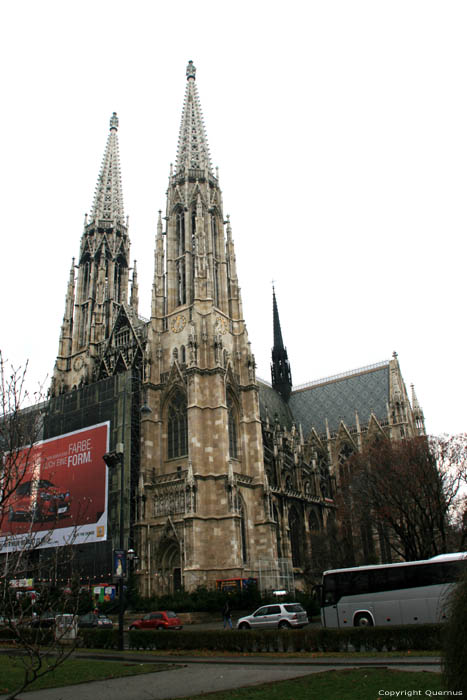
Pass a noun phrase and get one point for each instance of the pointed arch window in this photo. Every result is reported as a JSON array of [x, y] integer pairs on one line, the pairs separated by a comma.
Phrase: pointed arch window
[[324, 476], [296, 538], [86, 266], [215, 262], [243, 537], [180, 257], [193, 231], [314, 522], [180, 232], [83, 325], [343, 461], [232, 418], [275, 515], [181, 283], [214, 235], [177, 427], [117, 281]]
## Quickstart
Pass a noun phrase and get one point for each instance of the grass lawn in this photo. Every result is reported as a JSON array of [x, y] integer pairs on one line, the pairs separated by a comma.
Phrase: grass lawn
[[72, 671], [357, 684]]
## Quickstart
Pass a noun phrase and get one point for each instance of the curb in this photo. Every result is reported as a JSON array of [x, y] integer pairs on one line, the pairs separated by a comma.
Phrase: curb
[[261, 661]]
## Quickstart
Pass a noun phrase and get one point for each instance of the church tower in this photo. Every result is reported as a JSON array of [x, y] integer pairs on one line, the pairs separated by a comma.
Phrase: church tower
[[280, 367], [204, 514], [94, 299]]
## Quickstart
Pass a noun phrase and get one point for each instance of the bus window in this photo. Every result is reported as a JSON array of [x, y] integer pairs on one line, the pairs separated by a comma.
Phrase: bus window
[[389, 579], [360, 582]]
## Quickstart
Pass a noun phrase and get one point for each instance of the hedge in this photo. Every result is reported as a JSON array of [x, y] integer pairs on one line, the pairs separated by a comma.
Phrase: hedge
[[363, 639], [311, 640], [27, 635]]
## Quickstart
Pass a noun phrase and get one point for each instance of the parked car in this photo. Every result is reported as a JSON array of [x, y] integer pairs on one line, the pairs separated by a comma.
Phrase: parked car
[[7, 622], [160, 620], [92, 621], [39, 500], [45, 619], [280, 615]]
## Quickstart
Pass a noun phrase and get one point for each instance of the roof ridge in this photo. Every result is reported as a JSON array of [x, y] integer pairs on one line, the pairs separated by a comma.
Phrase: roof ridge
[[342, 375]]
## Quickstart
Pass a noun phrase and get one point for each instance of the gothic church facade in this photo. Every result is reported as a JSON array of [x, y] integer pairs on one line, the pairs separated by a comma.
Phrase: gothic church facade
[[233, 475]]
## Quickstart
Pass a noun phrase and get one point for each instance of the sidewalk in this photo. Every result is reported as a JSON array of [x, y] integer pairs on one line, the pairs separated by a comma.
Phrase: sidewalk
[[193, 676]]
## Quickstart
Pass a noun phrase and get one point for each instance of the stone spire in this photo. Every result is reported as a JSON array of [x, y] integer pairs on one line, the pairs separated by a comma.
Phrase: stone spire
[[67, 326], [195, 244], [158, 286], [101, 286], [280, 367], [108, 197], [193, 149], [417, 413], [134, 294]]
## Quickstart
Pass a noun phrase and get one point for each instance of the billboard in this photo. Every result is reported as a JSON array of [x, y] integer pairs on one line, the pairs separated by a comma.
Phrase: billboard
[[62, 496]]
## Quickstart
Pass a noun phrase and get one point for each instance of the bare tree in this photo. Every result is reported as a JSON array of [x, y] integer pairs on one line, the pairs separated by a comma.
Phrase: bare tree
[[28, 617], [409, 492]]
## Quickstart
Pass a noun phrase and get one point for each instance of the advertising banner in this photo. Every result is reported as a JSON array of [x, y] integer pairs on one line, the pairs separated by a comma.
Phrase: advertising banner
[[62, 496], [119, 563]]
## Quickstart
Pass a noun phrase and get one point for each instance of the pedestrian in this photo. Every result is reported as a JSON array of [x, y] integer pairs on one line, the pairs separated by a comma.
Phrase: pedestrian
[[226, 615]]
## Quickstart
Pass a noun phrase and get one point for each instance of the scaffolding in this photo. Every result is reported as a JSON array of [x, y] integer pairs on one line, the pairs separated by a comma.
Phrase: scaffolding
[[275, 575]]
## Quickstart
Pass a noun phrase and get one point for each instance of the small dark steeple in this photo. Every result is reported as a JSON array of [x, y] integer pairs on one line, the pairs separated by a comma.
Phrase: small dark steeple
[[280, 367]]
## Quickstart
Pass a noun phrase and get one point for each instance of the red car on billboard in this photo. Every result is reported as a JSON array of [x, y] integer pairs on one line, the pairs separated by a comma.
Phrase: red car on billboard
[[61, 491], [39, 500]]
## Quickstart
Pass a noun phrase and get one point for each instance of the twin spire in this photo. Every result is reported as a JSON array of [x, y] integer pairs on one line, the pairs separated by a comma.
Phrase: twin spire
[[108, 198], [193, 149], [192, 153]]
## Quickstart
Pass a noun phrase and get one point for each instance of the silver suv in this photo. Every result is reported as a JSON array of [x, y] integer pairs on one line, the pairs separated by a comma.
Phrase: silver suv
[[282, 616]]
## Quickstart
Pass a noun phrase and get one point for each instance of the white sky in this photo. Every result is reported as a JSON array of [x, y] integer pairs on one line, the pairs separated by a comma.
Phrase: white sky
[[340, 131]]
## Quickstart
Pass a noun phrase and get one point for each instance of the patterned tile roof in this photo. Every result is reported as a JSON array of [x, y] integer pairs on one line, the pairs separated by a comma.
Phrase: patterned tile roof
[[272, 404], [365, 391]]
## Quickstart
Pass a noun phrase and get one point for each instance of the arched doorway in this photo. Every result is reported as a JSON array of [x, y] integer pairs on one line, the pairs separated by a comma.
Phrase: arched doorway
[[170, 565]]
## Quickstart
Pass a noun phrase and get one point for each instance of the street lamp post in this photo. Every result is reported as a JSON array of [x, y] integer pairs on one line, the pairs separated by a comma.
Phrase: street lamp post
[[112, 459]]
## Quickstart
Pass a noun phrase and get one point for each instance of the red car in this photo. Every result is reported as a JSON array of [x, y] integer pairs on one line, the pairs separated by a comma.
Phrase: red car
[[39, 500], [161, 620]]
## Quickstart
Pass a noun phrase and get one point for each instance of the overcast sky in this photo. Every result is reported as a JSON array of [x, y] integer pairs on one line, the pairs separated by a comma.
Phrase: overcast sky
[[340, 132]]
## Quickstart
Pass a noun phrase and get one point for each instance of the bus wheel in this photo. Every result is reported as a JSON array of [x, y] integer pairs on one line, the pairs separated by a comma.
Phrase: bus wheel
[[363, 620]]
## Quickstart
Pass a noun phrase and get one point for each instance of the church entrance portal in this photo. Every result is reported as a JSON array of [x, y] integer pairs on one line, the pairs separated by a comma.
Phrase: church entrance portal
[[170, 566]]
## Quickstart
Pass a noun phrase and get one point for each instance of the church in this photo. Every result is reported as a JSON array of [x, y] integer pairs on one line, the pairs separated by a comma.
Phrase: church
[[223, 475]]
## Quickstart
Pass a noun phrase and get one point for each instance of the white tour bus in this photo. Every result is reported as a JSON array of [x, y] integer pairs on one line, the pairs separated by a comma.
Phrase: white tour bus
[[405, 593]]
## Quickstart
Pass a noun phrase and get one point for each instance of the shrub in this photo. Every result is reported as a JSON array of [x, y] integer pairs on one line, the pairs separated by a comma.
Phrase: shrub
[[99, 639], [416, 637]]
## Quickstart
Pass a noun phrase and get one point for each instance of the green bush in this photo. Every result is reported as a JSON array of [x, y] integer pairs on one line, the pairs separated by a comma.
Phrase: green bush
[[455, 640], [28, 635], [98, 639]]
